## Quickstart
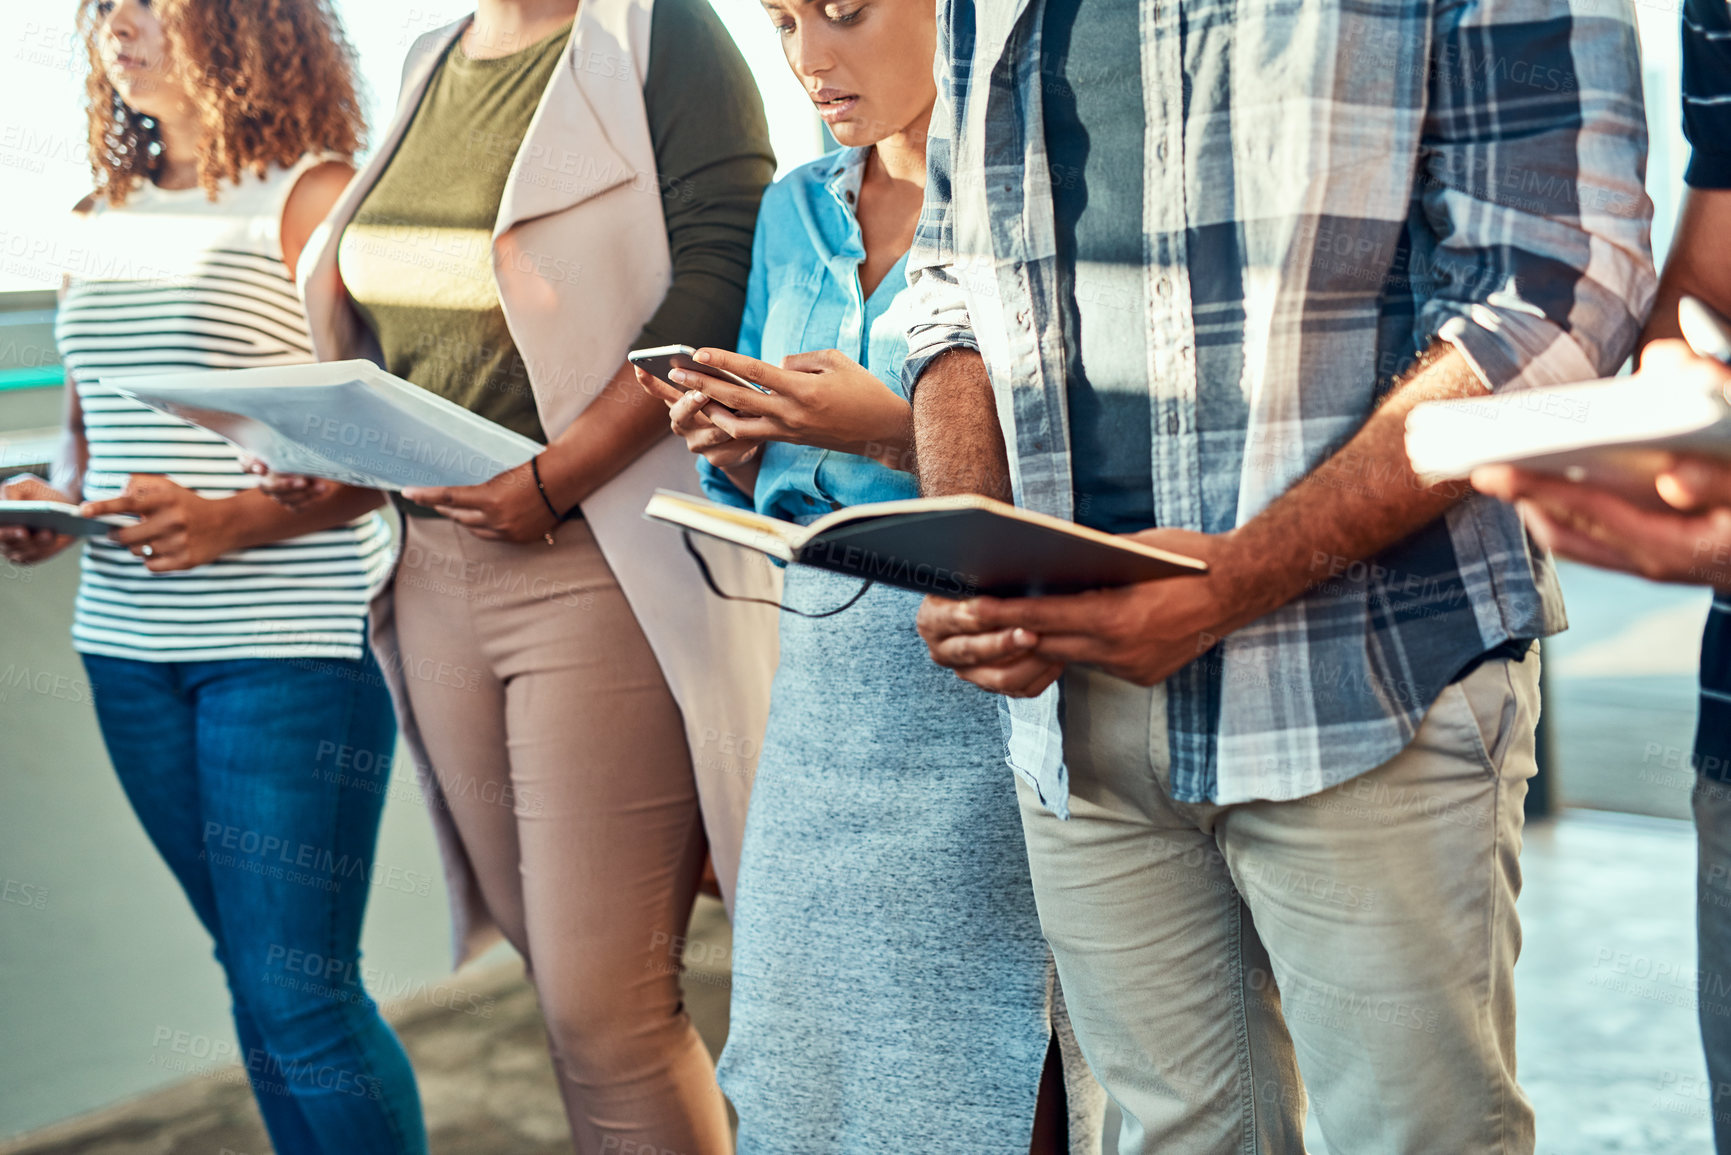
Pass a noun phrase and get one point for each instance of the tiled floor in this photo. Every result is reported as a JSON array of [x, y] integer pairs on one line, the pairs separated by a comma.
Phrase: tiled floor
[[1607, 1035]]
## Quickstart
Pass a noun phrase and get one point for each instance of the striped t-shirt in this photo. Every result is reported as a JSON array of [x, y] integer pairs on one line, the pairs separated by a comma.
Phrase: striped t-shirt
[[172, 281]]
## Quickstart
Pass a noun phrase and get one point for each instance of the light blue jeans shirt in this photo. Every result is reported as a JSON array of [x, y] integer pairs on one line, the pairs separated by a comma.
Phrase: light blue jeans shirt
[[805, 295]]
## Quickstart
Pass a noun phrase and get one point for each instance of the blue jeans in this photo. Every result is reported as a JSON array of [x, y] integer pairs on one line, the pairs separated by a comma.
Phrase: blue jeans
[[261, 783]]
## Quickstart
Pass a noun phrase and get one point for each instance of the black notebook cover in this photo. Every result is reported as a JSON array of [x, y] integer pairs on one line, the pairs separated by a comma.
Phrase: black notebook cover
[[958, 553]]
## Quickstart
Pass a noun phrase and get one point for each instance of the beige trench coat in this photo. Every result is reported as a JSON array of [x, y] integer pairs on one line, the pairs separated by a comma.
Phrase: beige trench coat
[[581, 263]]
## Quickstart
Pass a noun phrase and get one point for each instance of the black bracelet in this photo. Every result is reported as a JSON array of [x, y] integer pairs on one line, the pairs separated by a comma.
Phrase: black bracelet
[[535, 468]]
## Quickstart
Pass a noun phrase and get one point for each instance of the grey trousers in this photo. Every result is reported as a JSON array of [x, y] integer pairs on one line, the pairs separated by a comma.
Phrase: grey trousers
[[1365, 936]]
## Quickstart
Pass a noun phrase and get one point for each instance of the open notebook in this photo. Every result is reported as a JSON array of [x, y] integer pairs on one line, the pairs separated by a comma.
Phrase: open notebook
[[954, 547]]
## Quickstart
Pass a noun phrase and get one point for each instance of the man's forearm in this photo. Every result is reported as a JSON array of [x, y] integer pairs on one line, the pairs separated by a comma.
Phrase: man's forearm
[[958, 444], [1361, 500]]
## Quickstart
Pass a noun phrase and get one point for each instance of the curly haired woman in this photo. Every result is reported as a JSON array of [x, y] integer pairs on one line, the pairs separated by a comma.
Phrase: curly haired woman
[[226, 635]]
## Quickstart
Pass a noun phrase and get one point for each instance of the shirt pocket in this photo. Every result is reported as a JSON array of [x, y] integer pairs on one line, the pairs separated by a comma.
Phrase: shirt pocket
[[843, 479], [791, 302]]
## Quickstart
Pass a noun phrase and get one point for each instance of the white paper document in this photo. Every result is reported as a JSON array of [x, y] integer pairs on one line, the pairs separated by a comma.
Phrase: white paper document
[[348, 421], [1616, 433]]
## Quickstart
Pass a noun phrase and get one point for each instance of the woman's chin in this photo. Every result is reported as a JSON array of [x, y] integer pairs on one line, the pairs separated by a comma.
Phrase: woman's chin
[[142, 94], [855, 133]]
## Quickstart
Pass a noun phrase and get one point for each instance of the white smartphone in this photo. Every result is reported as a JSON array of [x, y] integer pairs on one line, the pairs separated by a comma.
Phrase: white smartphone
[[659, 362]]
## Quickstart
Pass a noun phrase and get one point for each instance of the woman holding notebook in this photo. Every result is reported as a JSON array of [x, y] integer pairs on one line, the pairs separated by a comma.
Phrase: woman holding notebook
[[556, 190], [224, 635], [891, 988]]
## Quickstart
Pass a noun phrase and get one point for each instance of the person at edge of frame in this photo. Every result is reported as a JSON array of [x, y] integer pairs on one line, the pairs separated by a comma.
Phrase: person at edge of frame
[[1686, 536]]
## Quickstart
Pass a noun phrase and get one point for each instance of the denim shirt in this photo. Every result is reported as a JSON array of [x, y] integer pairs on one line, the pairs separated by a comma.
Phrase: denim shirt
[[1328, 188], [804, 295]]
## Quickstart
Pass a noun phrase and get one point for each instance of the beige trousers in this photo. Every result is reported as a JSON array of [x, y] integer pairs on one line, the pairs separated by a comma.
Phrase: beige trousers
[[562, 757], [1365, 936]]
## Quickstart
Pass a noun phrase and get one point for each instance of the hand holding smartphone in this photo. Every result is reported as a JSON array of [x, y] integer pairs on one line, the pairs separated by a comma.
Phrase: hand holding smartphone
[[662, 360]]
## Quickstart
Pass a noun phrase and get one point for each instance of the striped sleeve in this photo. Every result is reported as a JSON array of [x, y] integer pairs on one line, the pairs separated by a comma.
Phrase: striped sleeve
[[1707, 92]]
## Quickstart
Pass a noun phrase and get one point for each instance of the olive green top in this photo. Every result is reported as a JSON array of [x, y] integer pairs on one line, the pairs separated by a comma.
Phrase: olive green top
[[417, 256]]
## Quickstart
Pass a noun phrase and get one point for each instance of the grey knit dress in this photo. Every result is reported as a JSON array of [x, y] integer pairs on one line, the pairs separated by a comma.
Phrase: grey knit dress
[[891, 988]]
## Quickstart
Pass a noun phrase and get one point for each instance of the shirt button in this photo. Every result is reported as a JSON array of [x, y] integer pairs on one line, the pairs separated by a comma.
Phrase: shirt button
[[1022, 317], [1160, 151], [1172, 423], [1163, 286]]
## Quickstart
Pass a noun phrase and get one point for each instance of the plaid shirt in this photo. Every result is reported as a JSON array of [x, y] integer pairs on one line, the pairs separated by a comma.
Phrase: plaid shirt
[[1330, 188]]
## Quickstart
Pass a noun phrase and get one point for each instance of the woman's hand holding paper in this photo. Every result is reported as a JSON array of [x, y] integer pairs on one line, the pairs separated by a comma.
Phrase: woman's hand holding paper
[[293, 490], [1689, 542], [510, 507]]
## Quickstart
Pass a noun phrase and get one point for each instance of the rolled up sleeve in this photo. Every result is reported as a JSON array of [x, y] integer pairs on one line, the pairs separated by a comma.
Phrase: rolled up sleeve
[[941, 322], [1535, 146]]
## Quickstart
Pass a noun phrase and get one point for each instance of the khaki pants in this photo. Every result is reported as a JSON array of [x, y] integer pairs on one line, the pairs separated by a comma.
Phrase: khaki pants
[[563, 760], [1365, 936]]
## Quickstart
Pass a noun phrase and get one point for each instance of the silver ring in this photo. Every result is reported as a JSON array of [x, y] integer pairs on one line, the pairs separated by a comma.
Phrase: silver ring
[[149, 550]]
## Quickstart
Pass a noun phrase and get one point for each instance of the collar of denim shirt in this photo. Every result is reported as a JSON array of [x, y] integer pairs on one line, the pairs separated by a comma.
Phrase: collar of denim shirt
[[841, 244]]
